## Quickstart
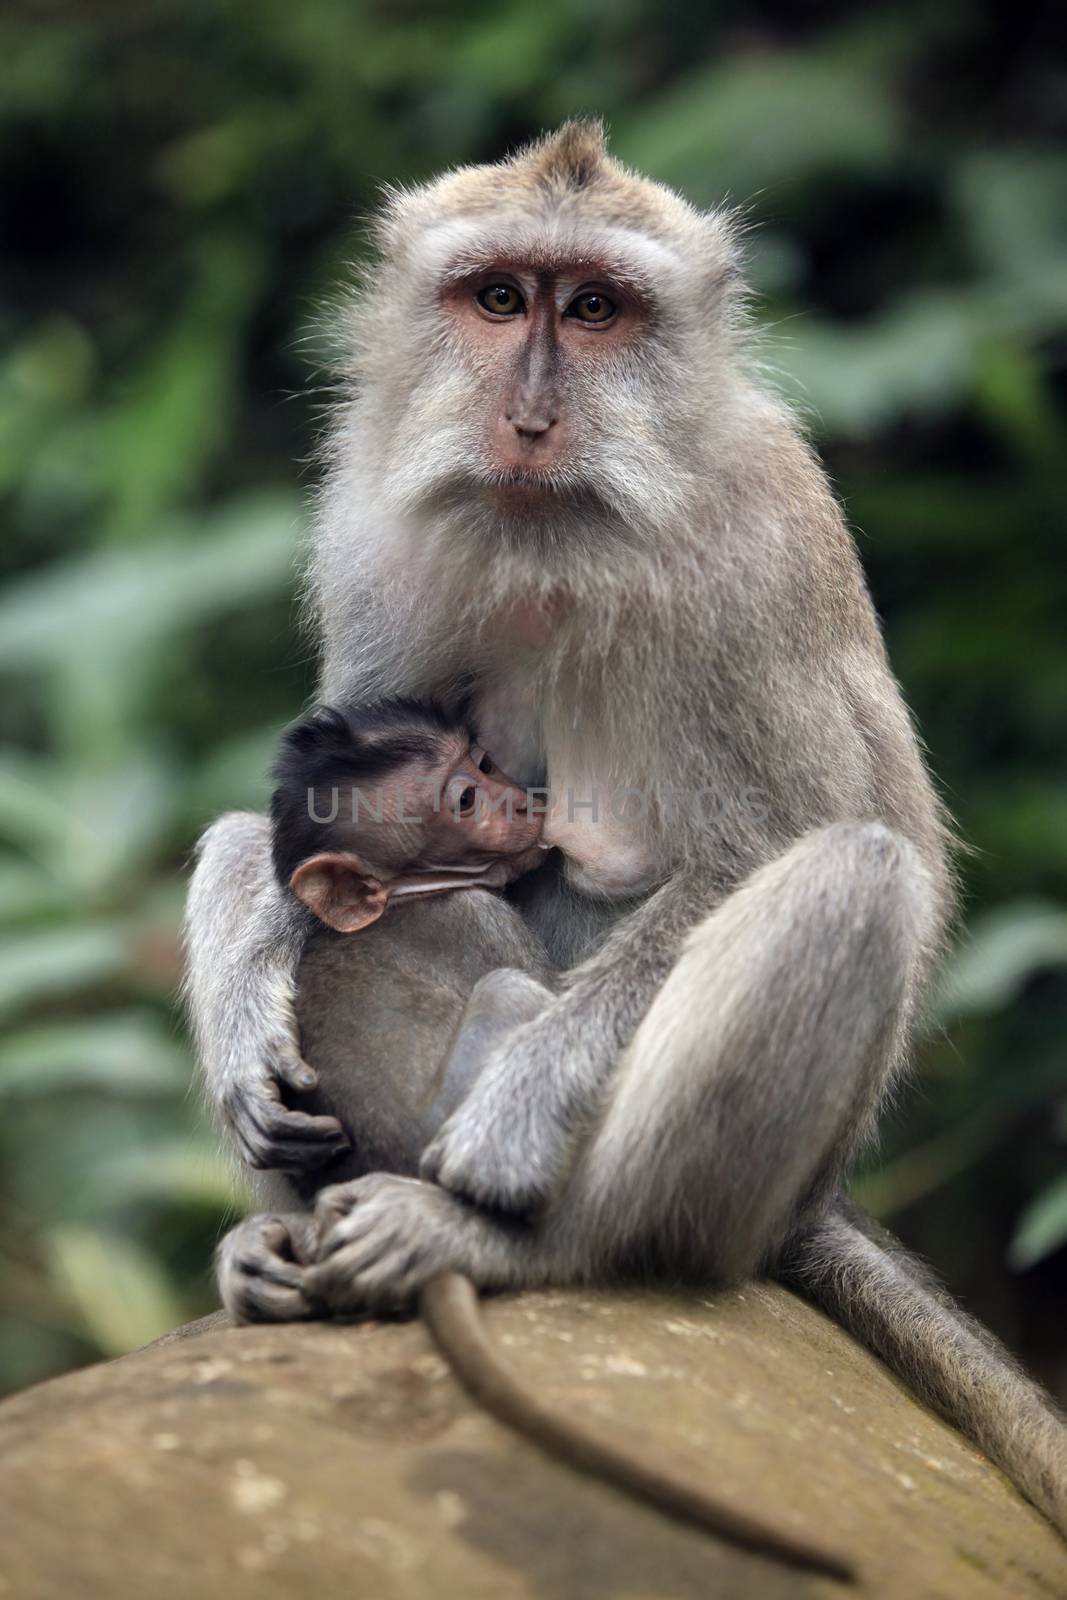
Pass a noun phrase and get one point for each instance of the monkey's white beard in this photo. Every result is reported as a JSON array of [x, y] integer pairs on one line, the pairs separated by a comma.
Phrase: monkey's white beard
[[623, 489], [418, 570]]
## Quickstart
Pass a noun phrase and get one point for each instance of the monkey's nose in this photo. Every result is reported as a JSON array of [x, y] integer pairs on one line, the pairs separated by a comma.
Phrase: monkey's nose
[[531, 409], [531, 424]]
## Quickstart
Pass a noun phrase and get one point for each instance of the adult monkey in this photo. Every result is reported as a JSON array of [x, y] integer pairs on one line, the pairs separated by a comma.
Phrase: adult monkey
[[559, 481]]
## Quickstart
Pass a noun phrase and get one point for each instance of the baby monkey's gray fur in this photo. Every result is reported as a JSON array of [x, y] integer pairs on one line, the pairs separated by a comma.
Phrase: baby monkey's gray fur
[[614, 539]]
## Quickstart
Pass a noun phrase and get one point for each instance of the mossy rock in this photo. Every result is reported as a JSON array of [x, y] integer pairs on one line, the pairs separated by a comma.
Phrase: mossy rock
[[320, 1460]]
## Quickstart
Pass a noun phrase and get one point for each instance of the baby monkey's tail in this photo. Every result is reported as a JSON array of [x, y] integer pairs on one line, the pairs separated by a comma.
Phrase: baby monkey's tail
[[449, 1307]]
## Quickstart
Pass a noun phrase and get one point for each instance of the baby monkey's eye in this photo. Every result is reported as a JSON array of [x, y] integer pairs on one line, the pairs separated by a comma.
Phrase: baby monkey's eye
[[486, 763], [591, 307], [501, 299], [465, 803]]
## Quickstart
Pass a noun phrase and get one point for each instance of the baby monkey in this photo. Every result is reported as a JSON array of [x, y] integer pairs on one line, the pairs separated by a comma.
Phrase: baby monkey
[[385, 812], [384, 802]]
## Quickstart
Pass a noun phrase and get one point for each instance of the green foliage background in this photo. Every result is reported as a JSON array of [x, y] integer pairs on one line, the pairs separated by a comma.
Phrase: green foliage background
[[180, 184]]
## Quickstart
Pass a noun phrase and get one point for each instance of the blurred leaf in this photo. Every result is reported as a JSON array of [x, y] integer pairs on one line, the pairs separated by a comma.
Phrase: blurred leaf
[[43, 66], [115, 1288], [719, 132], [1004, 949], [919, 356], [31, 1350], [1010, 391], [41, 381], [500, 51], [237, 776], [180, 1172], [177, 414], [212, 163], [89, 831], [891, 1186], [57, 961], [126, 1052], [1042, 1228], [28, 892], [110, 825], [79, 609], [1014, 204]]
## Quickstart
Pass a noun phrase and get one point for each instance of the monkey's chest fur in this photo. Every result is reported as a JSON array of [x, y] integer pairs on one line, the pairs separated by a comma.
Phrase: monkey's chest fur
[[597, 825]]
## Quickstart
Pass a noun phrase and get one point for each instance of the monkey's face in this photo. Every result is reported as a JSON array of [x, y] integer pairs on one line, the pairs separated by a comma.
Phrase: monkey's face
[[451, 821], [545, 347], [547, 397], [452, 812], [472, 816], [540, 346], [544, 377]]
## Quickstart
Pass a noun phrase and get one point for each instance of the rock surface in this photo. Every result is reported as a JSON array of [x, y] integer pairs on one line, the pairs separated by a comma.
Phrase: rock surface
[[325, 1460]]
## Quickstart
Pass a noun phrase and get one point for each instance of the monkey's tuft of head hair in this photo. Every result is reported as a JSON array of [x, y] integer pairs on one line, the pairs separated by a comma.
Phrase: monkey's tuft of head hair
[[344, 745], [543, 192], [571, 157]]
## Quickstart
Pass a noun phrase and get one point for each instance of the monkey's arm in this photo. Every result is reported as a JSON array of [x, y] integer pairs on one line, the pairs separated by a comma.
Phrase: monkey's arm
[[244, 939], [751, 1001], [498, 1004], [508, 1144]]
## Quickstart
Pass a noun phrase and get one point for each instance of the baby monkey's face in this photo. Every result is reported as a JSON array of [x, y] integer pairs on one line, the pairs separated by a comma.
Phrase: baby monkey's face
[[441, 821], [456, 811]]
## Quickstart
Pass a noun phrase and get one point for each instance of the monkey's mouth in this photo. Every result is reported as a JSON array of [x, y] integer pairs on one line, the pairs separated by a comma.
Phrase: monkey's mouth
[[438, 880], [538, 480], [542, 489], [539, 495]]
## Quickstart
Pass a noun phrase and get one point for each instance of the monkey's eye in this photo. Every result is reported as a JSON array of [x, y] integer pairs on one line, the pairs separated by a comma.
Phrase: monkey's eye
[[465, 803], [486, 763], [591, 308], [501, 299]]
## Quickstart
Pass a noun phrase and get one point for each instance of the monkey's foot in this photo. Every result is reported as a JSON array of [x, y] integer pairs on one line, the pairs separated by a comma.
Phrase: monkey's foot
[[381, 1238], [500, 1149], [262, 1268]]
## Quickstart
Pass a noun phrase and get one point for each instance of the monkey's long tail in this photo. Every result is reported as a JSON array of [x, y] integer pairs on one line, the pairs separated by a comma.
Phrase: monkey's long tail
[[862, 1277], [449, 1307]]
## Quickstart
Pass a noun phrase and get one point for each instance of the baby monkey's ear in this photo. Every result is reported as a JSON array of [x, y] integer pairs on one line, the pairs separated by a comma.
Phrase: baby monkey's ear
[[341, 891]]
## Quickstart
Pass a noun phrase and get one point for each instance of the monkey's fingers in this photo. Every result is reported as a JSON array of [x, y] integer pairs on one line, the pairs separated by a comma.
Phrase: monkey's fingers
[[261, 1278], [340, 1219], [449, 1306], [290, 1068], [378, 1240], [261, 1297], [272, 1137]]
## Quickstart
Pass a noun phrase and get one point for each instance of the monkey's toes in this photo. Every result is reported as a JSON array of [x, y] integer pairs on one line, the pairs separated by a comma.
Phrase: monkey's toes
[[380, 1239], [262, 1271]]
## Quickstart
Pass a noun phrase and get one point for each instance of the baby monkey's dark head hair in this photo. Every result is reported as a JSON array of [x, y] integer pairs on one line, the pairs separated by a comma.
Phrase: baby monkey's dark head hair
[[349, 746]]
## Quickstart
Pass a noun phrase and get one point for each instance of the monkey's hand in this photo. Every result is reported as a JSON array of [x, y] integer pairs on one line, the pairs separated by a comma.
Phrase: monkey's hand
[[507, 1147], [244, 942], [381, 1238], [269, 1134], [262, 1266]]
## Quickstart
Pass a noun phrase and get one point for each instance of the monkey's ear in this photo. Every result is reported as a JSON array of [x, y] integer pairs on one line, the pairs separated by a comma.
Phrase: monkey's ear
[[340, 890]]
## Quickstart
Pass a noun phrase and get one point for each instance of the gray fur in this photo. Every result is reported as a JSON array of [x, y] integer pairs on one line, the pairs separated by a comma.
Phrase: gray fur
[[718, 1050]]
